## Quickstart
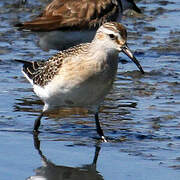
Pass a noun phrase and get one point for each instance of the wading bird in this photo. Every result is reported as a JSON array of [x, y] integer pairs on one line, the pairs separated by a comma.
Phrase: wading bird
[[80, 76]]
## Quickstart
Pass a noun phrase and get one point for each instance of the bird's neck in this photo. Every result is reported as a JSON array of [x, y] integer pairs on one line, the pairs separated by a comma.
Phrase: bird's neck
[[100, 51], [101, 46]]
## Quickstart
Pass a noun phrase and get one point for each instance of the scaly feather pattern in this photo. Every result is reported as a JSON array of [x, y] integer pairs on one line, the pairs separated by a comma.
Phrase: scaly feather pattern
[[42, 72]]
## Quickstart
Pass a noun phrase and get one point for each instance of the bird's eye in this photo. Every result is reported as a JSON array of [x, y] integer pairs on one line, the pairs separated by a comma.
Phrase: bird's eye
[[112, 36]]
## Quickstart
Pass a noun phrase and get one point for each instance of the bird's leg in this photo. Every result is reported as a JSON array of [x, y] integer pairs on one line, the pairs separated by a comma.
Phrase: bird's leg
[[97, 150], [37, 123], [98, 128]]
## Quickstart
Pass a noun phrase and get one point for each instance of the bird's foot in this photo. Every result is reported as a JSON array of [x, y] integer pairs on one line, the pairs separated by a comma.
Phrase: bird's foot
[[103, 139]]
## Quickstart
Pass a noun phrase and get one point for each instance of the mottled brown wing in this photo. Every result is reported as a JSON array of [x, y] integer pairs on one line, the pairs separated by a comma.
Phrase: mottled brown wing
[[74, 14], [42, 72]]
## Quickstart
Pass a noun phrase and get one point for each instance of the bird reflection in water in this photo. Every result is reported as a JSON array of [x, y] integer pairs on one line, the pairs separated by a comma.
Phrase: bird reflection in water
[[51, 171]]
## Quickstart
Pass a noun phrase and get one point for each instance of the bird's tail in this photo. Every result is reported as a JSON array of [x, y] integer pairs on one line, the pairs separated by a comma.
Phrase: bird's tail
[[40, 24], [25, 63], [30, 68], [27, 69]]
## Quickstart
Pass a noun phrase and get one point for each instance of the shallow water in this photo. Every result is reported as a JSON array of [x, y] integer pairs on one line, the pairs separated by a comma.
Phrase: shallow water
[[140, 116]]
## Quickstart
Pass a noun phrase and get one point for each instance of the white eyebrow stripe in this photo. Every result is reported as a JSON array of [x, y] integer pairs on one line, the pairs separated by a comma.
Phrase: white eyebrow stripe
[[107, 31]]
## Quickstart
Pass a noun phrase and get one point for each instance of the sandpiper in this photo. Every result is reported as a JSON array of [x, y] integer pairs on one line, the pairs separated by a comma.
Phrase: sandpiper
[[66, 23], [80, 76], [78, 14]]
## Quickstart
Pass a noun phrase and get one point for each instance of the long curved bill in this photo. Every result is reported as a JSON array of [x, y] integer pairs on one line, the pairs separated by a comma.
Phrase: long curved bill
[[127, 51]]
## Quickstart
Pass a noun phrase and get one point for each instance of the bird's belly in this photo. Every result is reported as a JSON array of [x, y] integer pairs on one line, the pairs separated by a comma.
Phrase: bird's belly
[[86, 94], [61, 40]]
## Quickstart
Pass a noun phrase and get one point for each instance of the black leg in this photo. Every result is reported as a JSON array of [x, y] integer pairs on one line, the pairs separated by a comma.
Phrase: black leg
[[37, 122], [98, 128], [37, 147], [97, 150]]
